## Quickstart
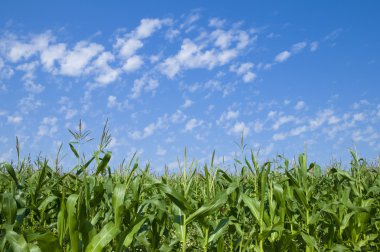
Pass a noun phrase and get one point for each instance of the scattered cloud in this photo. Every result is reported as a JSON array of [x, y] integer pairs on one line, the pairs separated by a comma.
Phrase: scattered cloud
[[217, 50], [76, 60], [160, 151], [14, 119], [314, 46], [146, 84], [112, 102], [238, 128], [282, 56], [228, 115], [28, 104], [48, 127], [133, 63], [298, 47], [187, 104], [283, 120], [244, 70], [300, 105], [192, 124]]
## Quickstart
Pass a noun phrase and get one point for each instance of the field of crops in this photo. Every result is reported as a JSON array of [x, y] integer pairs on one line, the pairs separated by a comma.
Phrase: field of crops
[[274, 206]]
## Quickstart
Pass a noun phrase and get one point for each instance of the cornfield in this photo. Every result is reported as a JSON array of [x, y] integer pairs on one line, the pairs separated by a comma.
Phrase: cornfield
[[274, 206]]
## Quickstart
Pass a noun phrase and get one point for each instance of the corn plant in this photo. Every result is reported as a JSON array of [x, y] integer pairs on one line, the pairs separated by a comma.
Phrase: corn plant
[[273, 206]]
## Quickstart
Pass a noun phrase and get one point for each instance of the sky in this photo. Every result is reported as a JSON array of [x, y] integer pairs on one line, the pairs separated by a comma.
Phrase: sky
[[291, 75]]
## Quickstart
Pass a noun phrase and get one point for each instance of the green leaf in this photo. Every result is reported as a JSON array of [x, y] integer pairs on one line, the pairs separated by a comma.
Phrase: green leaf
[[101, 240], [310, 241], [46, 241], [135, 228], [61, 221], [9, 207], [208, 209], [177, 198], [72, 222], [84, 167], [17, 242], [11, 172], [74, 150], [103, 164], [253, 205], [118, 196], [45, 203], [220, 229]]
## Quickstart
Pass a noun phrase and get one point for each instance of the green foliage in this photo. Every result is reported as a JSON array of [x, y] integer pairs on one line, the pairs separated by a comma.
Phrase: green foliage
[[296, 207]]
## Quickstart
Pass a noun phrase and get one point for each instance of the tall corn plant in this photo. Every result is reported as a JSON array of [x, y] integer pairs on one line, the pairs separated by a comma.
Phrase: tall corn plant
[[296, 207]]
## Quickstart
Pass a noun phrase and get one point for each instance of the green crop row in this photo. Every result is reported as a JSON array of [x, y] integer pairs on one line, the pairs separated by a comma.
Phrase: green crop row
[[275, 206]]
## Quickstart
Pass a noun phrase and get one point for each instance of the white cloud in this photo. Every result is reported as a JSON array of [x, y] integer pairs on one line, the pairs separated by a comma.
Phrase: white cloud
[[28, 104], [300, 105], [51, 54], [29, 84], [23, 50], [298, 47], [279, 136], [244, 70], [367, 135], [228, 115], [320, 119], [108, 76], [131, 42], [162, 122], [239, 127], [105, 73], [75, 61], [178, 117], [282, 56], [205, 54], [360, 103], [187, 104], [324, 117], [298, 131], [66, 108], [3, 112], [29, 69], [172, 34], [264, 151], [258, 126], [282, 120], [314, 46], [133, 63], [216, 22], [222, 38], [192, 123], [148, 26], [160, 151], [293, 132], [332, 36], [48, 127], [249, 77], [33, 87], [112, 102], [144, 83], [14, 119], [333, 120], [358, 117], [130, 46]]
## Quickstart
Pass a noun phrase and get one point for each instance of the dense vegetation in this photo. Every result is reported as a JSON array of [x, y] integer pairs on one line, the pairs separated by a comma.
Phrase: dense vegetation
[[276, 206]]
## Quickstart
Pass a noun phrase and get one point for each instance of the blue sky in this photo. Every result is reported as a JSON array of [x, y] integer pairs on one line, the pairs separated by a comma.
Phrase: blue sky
[[291, 74]]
